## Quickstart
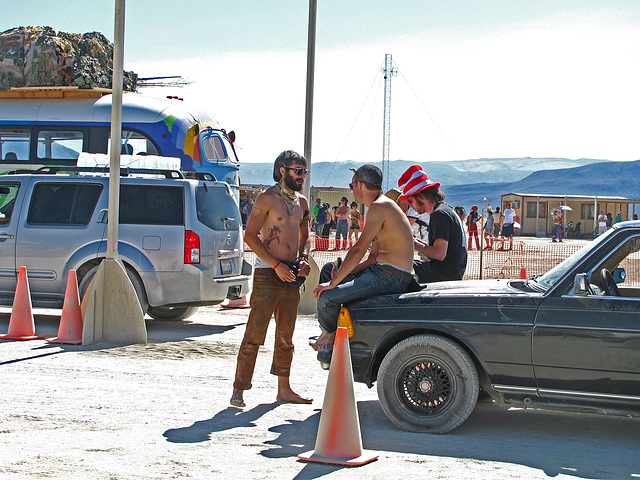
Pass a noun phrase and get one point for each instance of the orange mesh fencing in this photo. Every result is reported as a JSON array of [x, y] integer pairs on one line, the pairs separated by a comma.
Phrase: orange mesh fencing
[[529, 256]]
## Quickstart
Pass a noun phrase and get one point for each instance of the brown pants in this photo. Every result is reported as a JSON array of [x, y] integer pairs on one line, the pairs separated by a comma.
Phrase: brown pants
[[270, 296]]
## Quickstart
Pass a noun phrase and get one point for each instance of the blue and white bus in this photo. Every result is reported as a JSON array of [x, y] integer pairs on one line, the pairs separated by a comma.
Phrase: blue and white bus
[[42, 126]]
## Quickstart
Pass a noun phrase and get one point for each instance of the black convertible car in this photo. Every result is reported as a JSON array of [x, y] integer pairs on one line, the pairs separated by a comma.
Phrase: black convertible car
[[567, 339]]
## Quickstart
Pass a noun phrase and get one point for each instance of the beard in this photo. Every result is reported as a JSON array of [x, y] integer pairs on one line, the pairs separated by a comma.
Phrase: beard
[[291, 182]]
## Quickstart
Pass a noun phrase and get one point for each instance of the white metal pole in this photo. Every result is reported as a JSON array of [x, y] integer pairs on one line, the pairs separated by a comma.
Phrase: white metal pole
[[308, 116], [116, 131]]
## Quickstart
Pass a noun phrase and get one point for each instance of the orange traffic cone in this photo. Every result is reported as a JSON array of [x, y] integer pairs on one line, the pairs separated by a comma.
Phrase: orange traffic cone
[[70, 329], [239, 303], [338, 441], [21, 324], [523, 273]]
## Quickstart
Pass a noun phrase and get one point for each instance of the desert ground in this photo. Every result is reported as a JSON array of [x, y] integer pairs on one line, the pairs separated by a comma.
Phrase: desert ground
[[161, 411]]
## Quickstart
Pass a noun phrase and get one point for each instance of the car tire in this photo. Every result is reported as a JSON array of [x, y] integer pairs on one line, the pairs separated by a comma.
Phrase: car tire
[[171, 313], [133, 276], [427, 384]]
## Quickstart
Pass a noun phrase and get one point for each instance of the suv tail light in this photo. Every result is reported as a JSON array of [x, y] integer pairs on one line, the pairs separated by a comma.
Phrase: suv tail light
[[191, 247]]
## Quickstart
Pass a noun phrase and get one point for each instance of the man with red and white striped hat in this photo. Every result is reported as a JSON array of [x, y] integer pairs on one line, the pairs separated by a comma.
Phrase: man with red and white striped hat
[[446, 252]]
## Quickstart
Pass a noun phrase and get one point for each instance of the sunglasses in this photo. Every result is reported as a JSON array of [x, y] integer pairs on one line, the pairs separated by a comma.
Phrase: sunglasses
[[351, 185], [298, 170]]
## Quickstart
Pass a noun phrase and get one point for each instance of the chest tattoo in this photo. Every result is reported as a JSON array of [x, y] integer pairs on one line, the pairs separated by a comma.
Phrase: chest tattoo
[[274, 234]]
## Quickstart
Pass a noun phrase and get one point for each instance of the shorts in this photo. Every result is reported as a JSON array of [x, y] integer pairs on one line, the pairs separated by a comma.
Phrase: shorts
[[507, 230]]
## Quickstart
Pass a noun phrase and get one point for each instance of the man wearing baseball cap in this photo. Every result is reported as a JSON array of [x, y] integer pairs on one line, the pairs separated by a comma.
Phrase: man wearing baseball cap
[[446, 252], [387, 268]]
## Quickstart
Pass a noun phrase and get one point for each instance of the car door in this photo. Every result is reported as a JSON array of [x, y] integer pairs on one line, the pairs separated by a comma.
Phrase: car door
[[60, 228], [591, 343], [11, 195]]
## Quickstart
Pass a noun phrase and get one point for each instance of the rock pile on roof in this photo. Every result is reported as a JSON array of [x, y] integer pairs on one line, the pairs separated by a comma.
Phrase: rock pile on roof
[[42, 57]]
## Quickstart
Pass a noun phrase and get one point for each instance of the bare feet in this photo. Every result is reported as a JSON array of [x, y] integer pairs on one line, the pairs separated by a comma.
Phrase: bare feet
[[325, 340], [237, 400], [286, 394], [292, 397]]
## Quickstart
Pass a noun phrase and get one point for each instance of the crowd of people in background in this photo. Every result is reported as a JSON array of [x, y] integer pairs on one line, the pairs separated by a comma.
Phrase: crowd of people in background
[[345, 222]]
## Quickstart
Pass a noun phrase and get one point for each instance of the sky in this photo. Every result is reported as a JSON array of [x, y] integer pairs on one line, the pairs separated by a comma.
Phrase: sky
[[475, 78]]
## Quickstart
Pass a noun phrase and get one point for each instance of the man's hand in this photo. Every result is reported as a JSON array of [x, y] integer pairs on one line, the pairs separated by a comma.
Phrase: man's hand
[[284, 273], [321, 288], [304, 269]]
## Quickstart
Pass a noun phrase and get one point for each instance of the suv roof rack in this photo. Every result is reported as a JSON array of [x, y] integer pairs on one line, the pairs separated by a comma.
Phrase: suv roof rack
[[124, 171], [200, 175]]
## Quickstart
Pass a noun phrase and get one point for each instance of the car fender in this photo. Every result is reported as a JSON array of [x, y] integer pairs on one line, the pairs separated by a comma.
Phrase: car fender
[[136, 259], [401, 332]]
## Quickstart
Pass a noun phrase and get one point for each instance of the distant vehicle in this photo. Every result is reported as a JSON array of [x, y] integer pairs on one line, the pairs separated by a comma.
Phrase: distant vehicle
[[37, 129], [179, 238], [568, 339]]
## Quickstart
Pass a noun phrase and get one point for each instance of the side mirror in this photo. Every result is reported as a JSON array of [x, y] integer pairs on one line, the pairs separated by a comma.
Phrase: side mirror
[[619, 275], [232, 136], [581, 284]]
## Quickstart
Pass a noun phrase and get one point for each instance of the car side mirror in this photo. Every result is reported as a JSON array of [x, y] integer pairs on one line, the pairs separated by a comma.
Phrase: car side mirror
[[581, 284], [619, 275]]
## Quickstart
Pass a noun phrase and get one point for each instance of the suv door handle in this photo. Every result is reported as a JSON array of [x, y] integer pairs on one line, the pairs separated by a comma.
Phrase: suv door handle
[[5, 236], [102, 216]]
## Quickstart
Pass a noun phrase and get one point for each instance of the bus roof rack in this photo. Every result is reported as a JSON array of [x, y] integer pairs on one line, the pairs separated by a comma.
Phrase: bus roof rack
[[200, 175], [124, 171]]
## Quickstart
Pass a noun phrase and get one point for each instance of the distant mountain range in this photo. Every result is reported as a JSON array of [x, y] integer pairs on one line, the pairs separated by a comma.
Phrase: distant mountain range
[[483, 170], [469, 182], [602, 178]]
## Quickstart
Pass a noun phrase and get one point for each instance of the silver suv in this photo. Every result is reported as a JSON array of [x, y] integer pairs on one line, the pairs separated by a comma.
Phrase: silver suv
[[179, 238]]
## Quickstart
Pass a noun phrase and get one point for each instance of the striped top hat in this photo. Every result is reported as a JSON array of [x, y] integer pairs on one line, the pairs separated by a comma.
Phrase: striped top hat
[[414, 180]]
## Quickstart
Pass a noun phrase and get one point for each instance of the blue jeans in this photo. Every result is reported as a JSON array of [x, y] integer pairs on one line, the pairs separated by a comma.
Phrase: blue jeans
[[342, 229], [376, 280]]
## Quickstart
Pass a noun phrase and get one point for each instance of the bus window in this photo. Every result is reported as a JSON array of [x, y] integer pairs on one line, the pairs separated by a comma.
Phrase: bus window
[[60, 145], [135, 143], [213, 148], [14, 145]]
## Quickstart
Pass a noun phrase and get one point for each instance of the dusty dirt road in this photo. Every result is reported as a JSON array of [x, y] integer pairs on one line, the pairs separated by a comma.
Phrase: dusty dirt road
[[160, 411]]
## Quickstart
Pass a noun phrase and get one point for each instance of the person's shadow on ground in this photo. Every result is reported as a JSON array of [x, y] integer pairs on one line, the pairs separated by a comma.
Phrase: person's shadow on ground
[[226, 419]]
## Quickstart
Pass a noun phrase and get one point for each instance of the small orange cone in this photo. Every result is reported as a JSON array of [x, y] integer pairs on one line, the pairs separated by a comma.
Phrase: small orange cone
[[523, 273], [338, 441], [21, 324], [239, 303], [70, 329]]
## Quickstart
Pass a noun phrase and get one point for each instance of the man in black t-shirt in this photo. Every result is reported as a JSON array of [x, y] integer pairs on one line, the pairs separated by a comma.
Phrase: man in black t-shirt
[[446, 252]]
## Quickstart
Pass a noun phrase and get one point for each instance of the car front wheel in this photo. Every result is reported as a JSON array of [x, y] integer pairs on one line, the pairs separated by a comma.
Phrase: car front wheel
[[427, 383]]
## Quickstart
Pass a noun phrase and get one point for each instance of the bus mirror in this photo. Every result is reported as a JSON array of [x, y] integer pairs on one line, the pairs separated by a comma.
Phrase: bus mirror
[[232, 136]]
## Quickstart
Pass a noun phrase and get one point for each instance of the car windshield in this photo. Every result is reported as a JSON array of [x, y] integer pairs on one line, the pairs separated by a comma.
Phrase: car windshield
[[552, 276]]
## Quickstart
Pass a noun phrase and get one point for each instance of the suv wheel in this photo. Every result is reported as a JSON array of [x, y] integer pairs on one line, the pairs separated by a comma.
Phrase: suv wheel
[[427, 384], [171, 313], [133, 276]]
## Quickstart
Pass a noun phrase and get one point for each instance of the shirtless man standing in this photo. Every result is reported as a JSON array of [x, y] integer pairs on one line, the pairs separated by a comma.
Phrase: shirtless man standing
[[277, 231], [386, 270], [342, 224]]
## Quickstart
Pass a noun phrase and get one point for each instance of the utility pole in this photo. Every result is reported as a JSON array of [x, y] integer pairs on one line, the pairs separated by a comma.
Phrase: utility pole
[[308, 114], [388, 71]]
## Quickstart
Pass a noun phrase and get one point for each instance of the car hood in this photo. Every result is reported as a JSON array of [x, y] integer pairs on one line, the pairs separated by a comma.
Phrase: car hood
[[453, 291]]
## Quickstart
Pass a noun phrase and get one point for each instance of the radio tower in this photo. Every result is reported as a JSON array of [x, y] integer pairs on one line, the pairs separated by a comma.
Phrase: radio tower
[[388, 71]]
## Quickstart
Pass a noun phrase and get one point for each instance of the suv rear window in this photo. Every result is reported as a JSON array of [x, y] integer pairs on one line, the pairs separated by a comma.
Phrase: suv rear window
[[217, 208], [63, 203], [151, 205]]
